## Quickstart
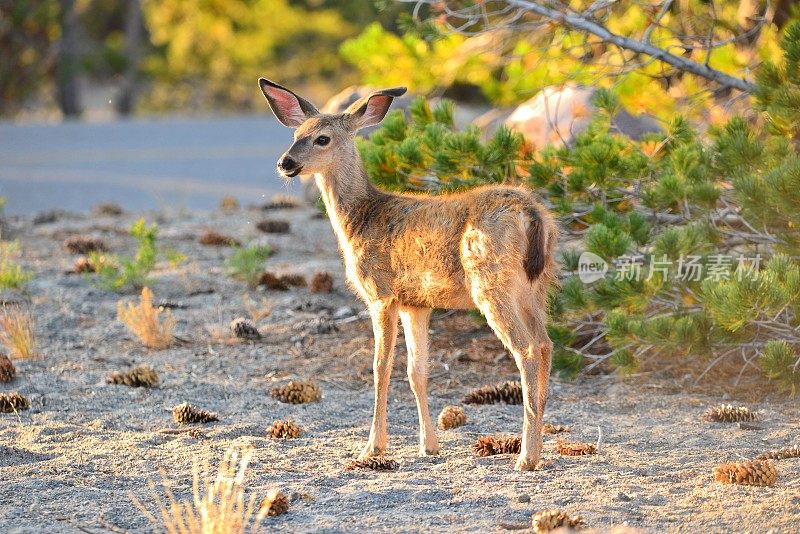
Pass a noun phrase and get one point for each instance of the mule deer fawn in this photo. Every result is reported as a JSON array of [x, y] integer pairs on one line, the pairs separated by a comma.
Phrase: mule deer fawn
[[490, 247]]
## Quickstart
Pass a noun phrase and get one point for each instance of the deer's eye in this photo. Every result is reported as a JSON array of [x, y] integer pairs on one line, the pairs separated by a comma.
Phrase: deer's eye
[[322, 140]]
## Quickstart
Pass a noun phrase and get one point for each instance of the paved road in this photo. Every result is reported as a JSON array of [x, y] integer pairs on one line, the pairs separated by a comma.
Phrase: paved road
[[141, 164]]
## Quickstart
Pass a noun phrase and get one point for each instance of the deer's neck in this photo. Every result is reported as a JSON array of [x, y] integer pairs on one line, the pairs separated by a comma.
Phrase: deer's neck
[[349, 197]]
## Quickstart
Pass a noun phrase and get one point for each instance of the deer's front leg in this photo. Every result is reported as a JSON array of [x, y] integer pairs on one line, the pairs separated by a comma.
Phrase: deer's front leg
[[415, 326], [384, 327]]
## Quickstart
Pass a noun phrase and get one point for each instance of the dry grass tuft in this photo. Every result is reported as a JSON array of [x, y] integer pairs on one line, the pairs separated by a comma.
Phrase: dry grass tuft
[[228, 203], [16, 332], [218, 505], [322, 282], [143, 320], [215, 239], [274, 504]]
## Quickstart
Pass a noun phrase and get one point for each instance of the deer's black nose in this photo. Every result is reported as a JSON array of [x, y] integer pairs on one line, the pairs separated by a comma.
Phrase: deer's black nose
[[287, 164]]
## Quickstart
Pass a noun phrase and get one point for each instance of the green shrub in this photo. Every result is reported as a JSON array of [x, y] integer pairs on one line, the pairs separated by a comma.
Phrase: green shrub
[[117, 273], [12, 275], [248, 263], [697, 270]]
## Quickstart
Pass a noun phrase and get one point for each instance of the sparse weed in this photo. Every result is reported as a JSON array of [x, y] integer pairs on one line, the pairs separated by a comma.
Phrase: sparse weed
[[16, 332], [12, 276], [248, 263], [256, 311], [143, 320], [218, 505], [119, 273]]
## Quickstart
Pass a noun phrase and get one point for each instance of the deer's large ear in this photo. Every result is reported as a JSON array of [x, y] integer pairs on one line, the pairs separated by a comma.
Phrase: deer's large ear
[[371, 109], [289, 108]]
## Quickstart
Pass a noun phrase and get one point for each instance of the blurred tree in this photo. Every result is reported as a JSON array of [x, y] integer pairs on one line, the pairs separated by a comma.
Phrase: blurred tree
[[28, 32], [68, 66], [134, 31], [212, 51], [653, 54]]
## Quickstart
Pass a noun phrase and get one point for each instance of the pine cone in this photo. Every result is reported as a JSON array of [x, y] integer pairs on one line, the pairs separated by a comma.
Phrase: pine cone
[[273, 226], [727, 413], [491, 445], [83, 265], [322, 283], [138, 377], [575, 449], [108, 209], [294, 280], [272, 282], [275, 502], [508, 393], [284, 429], [185, 414], [297, 392], [547, 428], [552, 519], [244, 329], [452, 417], [750, 473], [13, 402], [780, 454], [7, 369], [282, 202], [376, 463], [82, 244], [215, 239]]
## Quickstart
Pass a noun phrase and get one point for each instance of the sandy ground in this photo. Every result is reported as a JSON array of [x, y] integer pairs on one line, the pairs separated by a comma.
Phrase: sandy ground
[[69, 463]]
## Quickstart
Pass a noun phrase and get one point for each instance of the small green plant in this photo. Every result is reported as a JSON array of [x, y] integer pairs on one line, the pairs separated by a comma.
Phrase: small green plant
[[122, 273], [12, 276], [248, 263]]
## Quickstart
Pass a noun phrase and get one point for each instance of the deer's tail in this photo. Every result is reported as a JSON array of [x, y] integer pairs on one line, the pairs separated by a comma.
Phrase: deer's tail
[[541, 245]]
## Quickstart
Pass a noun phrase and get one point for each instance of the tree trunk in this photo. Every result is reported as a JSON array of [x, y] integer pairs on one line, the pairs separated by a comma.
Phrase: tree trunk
[[781, 12], [126, 100], [67, 70]]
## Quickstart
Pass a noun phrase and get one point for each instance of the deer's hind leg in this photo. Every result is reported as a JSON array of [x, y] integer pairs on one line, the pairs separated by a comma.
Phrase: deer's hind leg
[[504, 311], [415, 326], [508, 302]]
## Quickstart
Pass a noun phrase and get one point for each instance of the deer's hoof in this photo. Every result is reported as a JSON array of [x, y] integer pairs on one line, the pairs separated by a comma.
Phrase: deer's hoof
[[370, 451], [526, 464], [429, 450]]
